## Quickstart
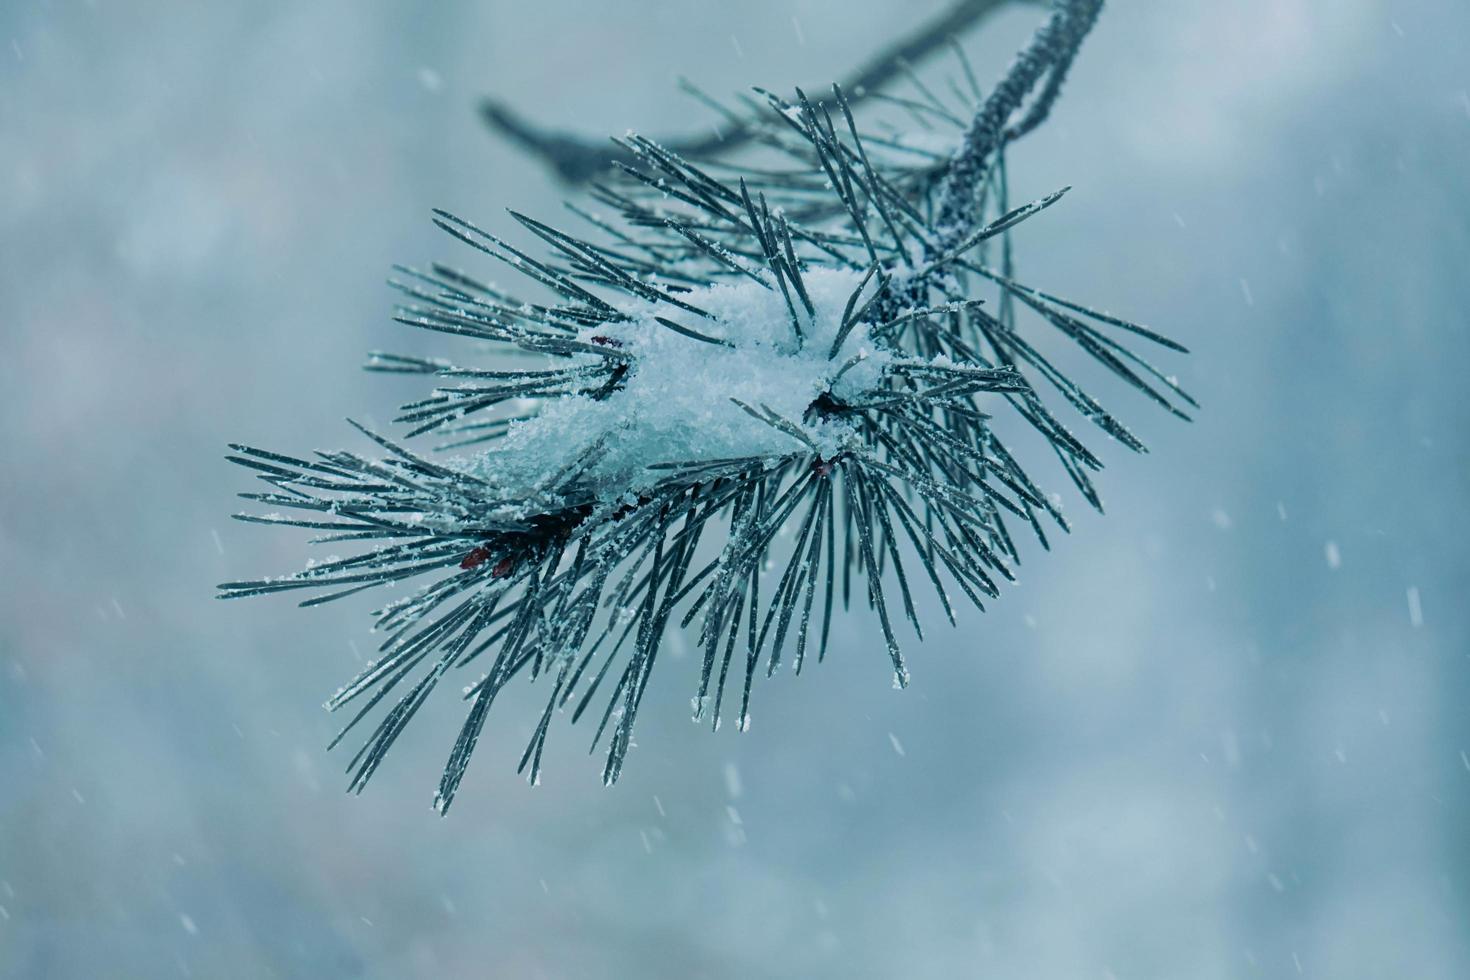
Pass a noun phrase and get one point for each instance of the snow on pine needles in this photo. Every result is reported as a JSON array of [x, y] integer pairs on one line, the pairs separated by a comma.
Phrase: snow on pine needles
[[687, 399], [747, 401]]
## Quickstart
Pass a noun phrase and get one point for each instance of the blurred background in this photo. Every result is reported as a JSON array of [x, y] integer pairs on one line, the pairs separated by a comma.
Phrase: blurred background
[[1221, 732]]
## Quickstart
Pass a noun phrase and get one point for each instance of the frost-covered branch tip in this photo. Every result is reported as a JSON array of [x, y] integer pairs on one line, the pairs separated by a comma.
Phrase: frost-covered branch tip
[[745, 398], [1049, 55]]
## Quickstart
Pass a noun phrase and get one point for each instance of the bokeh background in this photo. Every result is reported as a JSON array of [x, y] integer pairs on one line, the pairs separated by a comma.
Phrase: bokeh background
[[1222, 732]]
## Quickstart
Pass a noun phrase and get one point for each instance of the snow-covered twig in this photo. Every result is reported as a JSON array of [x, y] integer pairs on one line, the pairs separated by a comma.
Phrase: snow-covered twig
[[746, 397]]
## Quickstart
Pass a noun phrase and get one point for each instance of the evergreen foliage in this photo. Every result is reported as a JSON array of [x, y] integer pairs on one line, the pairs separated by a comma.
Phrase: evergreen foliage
[[758, 393]]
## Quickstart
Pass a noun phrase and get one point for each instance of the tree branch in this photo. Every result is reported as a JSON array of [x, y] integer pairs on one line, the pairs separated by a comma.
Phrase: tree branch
[[1050, 54], [576, 159]]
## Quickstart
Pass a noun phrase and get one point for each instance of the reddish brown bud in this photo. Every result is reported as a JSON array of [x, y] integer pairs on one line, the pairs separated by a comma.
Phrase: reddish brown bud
[[475, 558]]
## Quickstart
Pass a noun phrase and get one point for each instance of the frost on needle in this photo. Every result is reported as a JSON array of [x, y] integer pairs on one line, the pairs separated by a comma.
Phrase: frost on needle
[[743, 399]]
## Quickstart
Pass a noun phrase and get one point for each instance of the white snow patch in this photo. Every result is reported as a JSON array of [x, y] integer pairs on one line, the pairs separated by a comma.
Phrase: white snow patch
[[676, 403]]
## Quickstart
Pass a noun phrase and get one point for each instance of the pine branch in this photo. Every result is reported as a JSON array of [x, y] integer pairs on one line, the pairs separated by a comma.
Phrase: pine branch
[[1049, 55], [791, 369]]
